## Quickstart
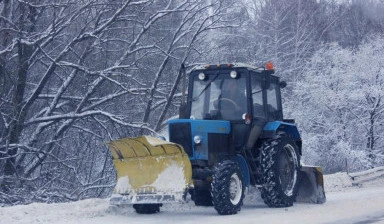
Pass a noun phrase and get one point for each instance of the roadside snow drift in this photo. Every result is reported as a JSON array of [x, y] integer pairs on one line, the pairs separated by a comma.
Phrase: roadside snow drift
[[353, 198]]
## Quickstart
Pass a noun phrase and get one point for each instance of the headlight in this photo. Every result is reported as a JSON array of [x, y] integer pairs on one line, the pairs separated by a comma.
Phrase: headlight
[[233, 74], [201, 76], [197, 139]]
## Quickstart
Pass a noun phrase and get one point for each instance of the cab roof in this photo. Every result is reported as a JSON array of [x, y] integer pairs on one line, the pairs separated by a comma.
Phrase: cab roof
[[228, 65]]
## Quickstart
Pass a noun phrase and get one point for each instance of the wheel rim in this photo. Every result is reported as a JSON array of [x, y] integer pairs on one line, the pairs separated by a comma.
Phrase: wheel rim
[[287, 169], [235, 189]]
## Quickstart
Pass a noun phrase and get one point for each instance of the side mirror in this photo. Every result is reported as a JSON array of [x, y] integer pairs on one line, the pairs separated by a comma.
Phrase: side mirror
[[283, 84]]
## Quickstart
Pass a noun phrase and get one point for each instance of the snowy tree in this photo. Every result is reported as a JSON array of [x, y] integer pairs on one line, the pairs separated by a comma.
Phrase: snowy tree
[[77, 74], [339, 106], [368, 96], [282, 32], [353, 21]]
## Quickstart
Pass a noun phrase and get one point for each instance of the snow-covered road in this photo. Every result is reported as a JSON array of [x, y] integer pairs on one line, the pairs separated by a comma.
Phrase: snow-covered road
[[345, 204]]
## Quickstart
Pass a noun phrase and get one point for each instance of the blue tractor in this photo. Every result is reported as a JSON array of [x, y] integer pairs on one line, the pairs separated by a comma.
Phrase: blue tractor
[[233, 130], [230, 135]]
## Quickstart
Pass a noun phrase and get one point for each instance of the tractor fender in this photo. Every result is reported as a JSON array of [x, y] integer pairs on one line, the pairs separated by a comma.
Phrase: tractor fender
[[240, 160], [271, 128]]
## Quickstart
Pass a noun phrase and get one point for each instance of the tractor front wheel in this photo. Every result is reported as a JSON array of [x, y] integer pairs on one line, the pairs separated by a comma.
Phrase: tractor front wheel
[[227, 188], [201, 196], [280, 165], [147, 208]]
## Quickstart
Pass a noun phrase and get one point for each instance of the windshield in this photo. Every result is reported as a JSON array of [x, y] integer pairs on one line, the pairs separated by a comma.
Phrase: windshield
[[219, 97]]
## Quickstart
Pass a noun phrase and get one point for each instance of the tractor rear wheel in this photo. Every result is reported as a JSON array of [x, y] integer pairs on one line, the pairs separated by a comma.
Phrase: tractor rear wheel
[[227, 188], [280, 165], [147, 208]]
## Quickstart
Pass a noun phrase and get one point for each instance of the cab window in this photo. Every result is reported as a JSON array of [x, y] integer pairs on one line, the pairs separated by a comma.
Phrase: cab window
[[272, 101], [257, 98]]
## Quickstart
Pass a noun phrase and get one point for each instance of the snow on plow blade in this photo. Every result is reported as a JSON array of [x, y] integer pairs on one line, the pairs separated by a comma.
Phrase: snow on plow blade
[[149, 171], [311, 186]]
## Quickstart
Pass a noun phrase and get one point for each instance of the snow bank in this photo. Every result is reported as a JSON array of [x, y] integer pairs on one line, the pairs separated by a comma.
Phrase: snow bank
[[38, 213], [373, 177], [344, 205], [337, 182], [342, 181]]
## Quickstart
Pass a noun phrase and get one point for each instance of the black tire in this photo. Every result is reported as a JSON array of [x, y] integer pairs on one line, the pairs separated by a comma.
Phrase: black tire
[[280, 166], [202, 197], [147, 208], [227, 188]]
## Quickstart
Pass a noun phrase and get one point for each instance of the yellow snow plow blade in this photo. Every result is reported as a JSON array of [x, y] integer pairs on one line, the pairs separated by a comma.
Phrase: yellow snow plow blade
[[311, 186], [149, 170]]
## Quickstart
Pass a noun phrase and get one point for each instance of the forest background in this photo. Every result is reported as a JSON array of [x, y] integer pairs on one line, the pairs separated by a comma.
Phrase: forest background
[[75, 74]]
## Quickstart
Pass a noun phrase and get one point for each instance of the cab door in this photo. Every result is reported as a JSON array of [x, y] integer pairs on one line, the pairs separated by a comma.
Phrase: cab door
[[274, 111], [258, 99]]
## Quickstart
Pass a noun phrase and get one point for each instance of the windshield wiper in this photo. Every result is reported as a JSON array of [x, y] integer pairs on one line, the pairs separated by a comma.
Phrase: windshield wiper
[[205, 87]]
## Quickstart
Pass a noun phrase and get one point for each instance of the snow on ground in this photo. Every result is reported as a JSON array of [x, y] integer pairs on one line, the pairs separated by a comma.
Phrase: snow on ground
[[348, 201]]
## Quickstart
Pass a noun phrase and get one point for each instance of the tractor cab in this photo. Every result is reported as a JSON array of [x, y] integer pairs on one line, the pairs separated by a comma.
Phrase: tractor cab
[[246, 96], [237, 93]]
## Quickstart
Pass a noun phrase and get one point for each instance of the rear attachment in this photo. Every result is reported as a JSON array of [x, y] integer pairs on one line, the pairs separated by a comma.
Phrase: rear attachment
[[149, 171], [311, 186]]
